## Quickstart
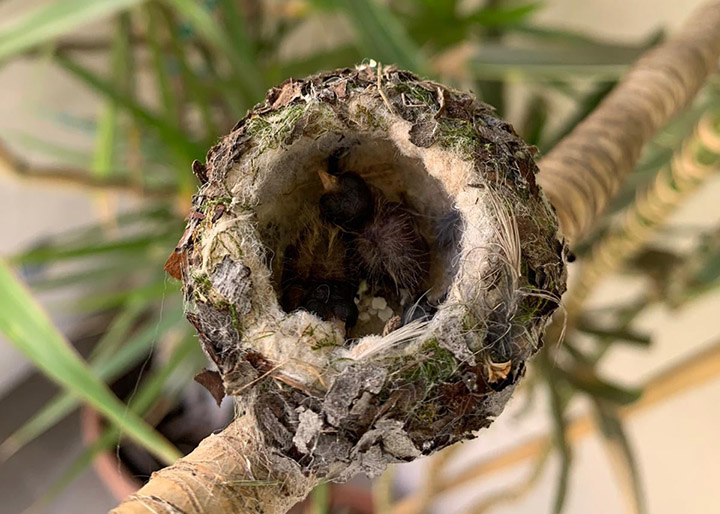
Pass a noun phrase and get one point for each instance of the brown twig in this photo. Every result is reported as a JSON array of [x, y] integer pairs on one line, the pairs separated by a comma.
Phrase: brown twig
[[86, 45], [74, 178]]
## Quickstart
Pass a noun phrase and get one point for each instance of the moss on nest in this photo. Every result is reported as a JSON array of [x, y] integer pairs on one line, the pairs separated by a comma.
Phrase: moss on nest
[[494, 282], [459, 136]]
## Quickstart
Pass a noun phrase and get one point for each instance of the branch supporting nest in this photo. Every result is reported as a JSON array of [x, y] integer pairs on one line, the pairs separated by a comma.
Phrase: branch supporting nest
[[224, 474], [585, 170], [692, 164]]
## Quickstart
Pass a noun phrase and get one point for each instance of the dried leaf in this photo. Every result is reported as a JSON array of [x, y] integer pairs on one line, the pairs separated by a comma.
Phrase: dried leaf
[[287, 93], [175, 264], [213, 382]]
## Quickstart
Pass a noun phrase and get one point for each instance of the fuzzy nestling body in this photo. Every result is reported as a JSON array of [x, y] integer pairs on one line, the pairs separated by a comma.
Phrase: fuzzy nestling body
[[316, 276], [385, 238]]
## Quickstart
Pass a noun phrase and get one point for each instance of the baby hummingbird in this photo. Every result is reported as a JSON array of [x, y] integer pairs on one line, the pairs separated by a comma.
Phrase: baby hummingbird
[[383, 235], [316, 275]]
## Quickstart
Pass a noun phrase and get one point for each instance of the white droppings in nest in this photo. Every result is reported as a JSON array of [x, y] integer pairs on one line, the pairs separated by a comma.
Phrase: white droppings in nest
[[373, 311], [378, 304], [385, 314]]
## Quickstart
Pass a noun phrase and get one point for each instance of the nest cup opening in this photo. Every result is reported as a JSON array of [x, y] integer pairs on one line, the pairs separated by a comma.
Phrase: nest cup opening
[[288, 213]]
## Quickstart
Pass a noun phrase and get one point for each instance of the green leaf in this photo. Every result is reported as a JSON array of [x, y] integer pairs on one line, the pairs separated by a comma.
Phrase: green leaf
[[534, 121], [552, 61], [235, 26], [698, 272], [658, 154], [587, 381], [87, 276], [620, 334], [381, 35], [119, 328], [59, 153], [585, 106], [73, 251], [107, 365], [232, 94], [163, 80], [589, 101], [50, 20], [582, 358], [197, 91], [492, 92], [320, 499], [559, 394], [501, 16], [237, 49], [561, 443], [148, 393], [104, 159], [155, 287], [169, 96], [562, 36], [169, 134], [27, 326], [621, 454]]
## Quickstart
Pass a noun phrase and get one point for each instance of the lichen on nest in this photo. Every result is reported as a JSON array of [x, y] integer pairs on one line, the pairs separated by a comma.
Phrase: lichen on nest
[[337, 406]]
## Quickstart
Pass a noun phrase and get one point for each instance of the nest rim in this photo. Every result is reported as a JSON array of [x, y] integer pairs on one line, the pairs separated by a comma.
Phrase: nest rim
[[511, 251]]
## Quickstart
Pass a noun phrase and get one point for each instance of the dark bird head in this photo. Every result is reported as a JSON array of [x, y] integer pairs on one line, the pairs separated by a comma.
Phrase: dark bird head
[[347, 201]]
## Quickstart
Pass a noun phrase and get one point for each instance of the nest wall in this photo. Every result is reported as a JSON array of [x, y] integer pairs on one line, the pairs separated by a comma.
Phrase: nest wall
[[337, 406]]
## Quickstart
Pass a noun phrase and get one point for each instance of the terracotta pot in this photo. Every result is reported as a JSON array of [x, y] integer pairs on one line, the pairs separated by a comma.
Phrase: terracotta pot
[[112, 473], [120, 482]]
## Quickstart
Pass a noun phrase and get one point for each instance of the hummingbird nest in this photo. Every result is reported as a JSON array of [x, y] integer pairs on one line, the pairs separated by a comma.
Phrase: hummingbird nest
[[336, 403]]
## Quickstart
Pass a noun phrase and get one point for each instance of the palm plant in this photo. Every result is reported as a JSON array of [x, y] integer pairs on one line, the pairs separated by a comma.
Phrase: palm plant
[[210, 61]]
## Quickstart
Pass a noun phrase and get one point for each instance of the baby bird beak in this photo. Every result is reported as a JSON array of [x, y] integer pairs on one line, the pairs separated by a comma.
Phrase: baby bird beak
[[329, 182]]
